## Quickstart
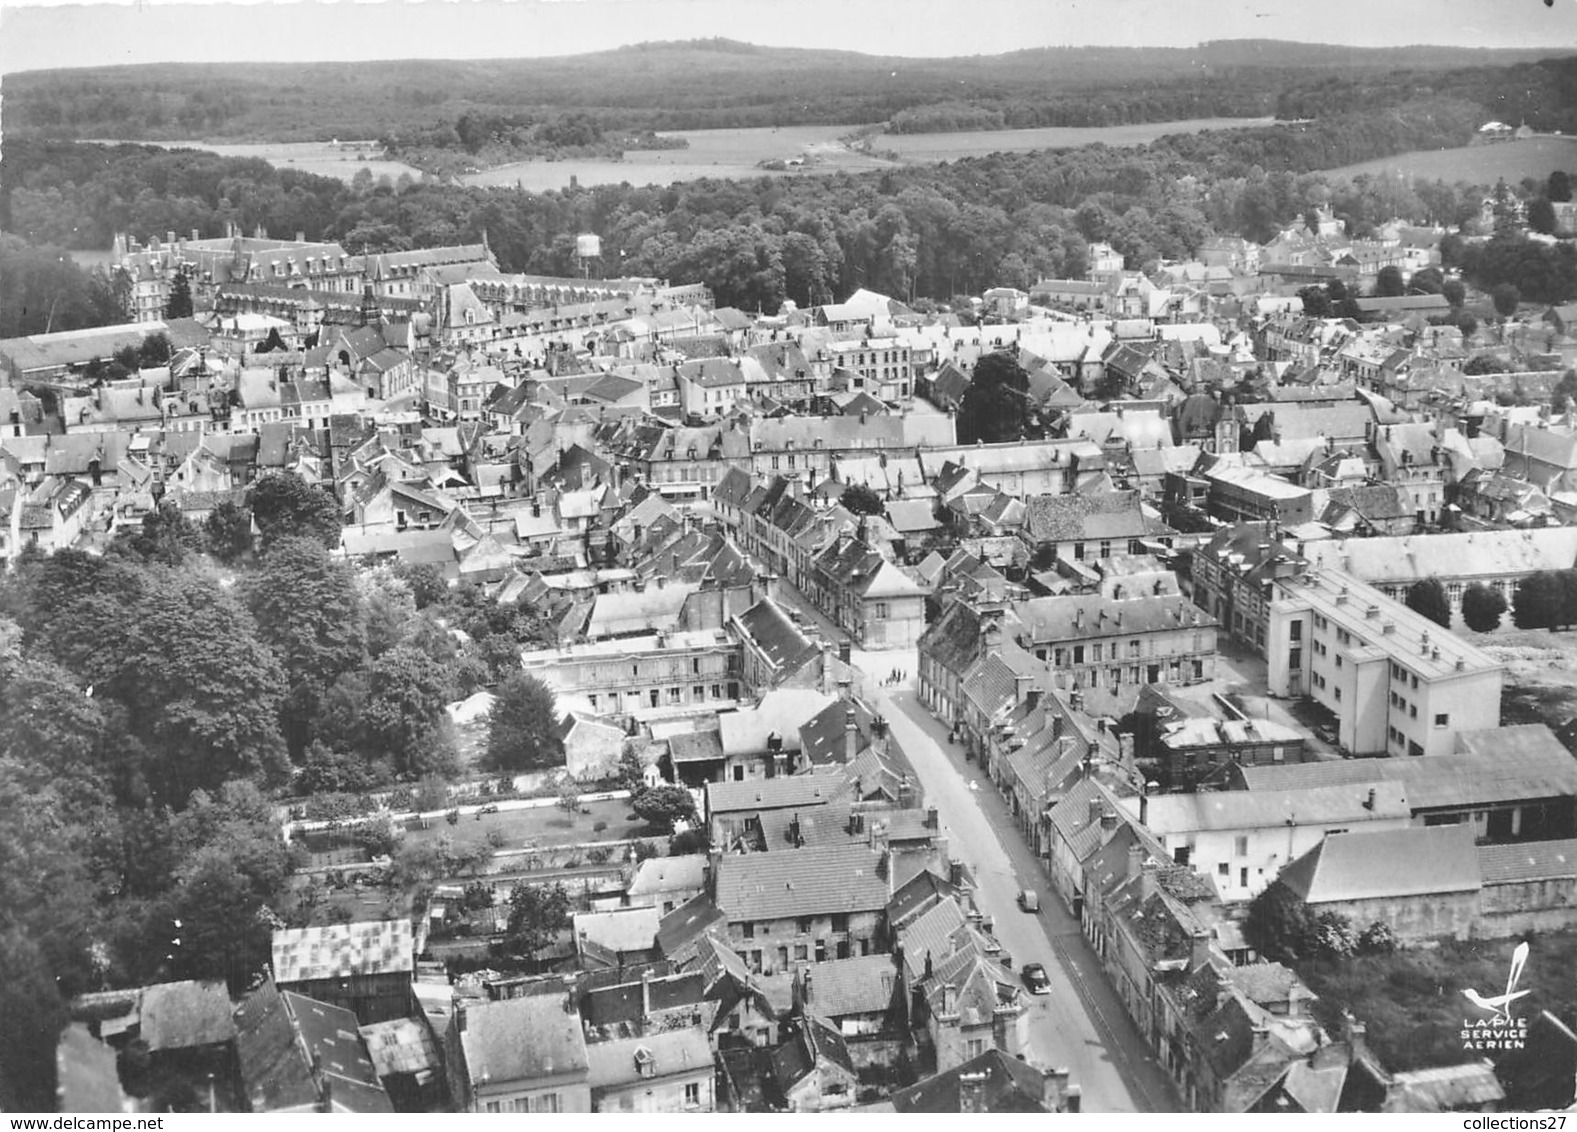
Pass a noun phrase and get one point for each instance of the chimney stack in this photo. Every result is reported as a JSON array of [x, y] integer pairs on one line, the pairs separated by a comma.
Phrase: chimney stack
[[1054, 1089], [851, 736], [646, 995], [971, 1089]]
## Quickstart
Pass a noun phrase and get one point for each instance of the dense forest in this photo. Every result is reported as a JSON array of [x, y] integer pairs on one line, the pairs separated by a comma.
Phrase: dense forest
[[716, 83]]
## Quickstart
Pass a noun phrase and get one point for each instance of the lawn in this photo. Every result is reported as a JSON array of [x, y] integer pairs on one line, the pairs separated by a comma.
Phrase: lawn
[[537, 828], [1475, 164], [1541, 677], [1412, 1001]]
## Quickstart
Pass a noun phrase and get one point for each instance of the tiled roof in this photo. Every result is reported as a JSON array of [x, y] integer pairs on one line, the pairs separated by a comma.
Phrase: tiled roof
[[1528, 861], [801, 882], [1078, 617], [1009, 1086], [783, 643], [371, 947], [1446, 1088], [840, 987], [1105, 515], [621, 1062], [186, 1014]]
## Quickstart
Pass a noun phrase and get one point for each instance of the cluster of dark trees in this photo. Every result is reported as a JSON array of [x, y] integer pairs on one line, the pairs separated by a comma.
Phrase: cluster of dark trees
[[152, 707], [482, 138], [1545, 600]]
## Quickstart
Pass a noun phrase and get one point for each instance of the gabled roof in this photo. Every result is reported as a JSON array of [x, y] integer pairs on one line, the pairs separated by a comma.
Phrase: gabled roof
[[522, 1039], [800, 882], [1008, 1086], [1421, 861], [370, 947], [841, 987], [186, 1015]]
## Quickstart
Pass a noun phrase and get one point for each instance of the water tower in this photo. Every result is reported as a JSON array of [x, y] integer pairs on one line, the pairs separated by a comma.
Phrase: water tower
[[587, 248]]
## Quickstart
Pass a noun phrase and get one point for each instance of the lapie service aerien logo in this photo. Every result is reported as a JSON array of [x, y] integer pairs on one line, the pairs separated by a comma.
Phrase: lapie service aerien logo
[[1503, 1028]]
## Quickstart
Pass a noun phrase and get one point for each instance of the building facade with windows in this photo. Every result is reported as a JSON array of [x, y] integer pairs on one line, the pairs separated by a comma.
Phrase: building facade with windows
[[632, 675], [1396, 682]]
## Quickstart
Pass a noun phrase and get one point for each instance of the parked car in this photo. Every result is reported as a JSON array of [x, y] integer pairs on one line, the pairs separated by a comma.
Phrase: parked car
[[1035, 978], [1028, 900]]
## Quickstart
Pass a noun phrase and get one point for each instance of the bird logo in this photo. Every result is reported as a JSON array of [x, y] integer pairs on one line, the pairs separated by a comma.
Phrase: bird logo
[[1500, 1005]]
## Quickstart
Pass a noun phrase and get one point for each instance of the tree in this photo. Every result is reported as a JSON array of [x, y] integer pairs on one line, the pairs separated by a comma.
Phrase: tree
[[1455, 292], [995, 404], [632, 772], [538, 913], [228, 530], [1482, 608], [523, 728], [1483, 363], [569, 798], [164, 536], [1316, 301], [1565, 391], [1541, 215], [1428, 597], [1558, 188], [309, 612], [861, 499], [404, 717], [664, 806], [1377, 939], [1538, 601], [282, 503], [1506, 297], [1389, 284], [179, 304], [1427, 281], [1279, 925]]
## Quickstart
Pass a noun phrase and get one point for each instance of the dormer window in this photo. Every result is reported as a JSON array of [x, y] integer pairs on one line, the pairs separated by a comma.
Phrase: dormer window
[[645, 1063]]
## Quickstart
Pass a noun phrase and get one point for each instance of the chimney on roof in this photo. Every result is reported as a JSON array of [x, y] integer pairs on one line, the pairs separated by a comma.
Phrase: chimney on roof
[[646, 995], [851, 735], [1108, 820], [971, 1086], [1199, 954], [955, 877]]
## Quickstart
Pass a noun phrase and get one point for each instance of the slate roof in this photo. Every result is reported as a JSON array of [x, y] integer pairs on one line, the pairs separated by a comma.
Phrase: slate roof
[[1010, 1085], [695, 746], [669, 874], [784, 643], [1445, 1088], [1077, 617], [800, 882], [279, 1035], [620, 930], [1421, 861], [679, 932], [370, 947], [767, 794]]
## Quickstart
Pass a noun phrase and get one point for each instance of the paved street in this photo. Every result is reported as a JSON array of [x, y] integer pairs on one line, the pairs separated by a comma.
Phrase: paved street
[[1080, 1024]]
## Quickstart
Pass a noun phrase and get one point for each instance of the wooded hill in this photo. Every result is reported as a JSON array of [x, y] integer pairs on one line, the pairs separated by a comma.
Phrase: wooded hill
[[724, 83]]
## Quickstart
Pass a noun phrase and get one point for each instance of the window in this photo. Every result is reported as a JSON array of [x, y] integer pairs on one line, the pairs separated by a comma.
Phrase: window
[[1106, 549], [695, 665], [881, 610], [804, 925], [840, 921], [974, 1047], [1243, 878], [1240, 846], [1412, 711], [1442, 719], [1078, 654], [547, 1102], [1297, 630], [1338, 695], [1095, 653], [748, 930], [692, 1095], [1223, 869], [717, 691], [698, 692], [802, 951], [1181, 854]]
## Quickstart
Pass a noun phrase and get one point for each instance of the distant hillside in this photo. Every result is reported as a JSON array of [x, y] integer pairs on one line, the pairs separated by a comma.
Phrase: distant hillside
[[714, 83]]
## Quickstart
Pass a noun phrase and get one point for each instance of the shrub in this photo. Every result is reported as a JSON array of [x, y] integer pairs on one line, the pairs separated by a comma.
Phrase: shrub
[[598, 827], [1334, 935], [1377, 939], [495, 839], [600, 854], [645, 850], [453, 817]]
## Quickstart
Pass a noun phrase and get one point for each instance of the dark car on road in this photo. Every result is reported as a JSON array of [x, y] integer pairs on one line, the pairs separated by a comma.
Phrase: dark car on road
[[1035, 980]]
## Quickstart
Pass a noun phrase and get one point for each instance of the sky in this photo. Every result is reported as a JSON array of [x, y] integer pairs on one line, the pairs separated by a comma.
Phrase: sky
[[37, 34]]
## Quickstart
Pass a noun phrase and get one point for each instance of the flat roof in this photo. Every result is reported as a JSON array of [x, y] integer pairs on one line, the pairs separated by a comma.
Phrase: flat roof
[[1414, 641]]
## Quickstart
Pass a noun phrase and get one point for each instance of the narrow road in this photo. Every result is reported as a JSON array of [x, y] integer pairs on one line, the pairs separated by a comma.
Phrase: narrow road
[[1080, 1025]]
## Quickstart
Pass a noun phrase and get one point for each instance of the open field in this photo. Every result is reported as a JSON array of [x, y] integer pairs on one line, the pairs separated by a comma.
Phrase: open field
[[1541, 677], [1475, 164], [974, 143], [728, 153]]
